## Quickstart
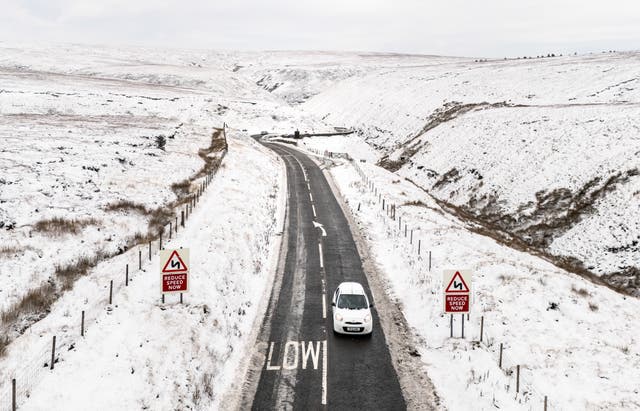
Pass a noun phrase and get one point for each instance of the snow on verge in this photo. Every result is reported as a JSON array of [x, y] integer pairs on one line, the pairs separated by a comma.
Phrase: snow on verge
[[582, 354], [140, 353]]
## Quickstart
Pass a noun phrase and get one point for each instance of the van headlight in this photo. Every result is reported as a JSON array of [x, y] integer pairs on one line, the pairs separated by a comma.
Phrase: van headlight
[[339, 317], [367, 318]]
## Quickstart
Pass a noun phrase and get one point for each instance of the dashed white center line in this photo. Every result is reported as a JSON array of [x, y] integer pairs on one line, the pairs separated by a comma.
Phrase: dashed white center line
[[321, 258], [324, 372], [311, 197], [324, 306], [314, 211]]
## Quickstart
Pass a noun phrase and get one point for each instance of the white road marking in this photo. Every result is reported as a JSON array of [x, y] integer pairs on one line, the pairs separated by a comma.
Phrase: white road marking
[[310, 351], [308, 186], [286, 365], [324, 306], [321, 258], [324, 372], [321, 227], [269, 366], [314, 211], [311, 197], [296, 353]]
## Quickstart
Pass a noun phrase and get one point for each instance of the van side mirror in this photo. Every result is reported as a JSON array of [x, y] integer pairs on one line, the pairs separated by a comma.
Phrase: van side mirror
[[371, 305], [333, 304]]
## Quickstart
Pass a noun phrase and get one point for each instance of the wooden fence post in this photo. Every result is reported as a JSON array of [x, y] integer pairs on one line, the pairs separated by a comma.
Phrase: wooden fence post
[[405, 230], [451, 327], [53, 352], [462, 325], [481, 327], [419, 242], [176, 225], [182, 218], [82, 325], [429, 260], [139, 259], [411, 239], [545, 402], [517, 378], [500, 358], [126, 277], [161, 238], [149, 250], [170, 229], [14, 405], [110, 292]]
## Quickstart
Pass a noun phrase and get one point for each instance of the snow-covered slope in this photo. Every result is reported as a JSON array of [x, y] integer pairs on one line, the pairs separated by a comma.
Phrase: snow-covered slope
[[141, 353], [570, 337], [545, 149]]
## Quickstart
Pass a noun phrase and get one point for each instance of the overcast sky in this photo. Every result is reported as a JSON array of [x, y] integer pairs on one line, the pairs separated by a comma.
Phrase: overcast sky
[[492, 28]]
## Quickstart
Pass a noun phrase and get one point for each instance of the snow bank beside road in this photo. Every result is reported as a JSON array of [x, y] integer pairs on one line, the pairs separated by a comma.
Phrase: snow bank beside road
[[173, 356], [582, 355]]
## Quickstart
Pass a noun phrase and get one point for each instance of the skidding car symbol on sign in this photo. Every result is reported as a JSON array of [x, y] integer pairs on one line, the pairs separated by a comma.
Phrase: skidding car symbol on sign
[[175, 270], [457, 291]]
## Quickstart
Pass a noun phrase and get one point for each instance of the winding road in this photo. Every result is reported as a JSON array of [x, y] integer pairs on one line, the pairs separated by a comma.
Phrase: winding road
[[306, 366]]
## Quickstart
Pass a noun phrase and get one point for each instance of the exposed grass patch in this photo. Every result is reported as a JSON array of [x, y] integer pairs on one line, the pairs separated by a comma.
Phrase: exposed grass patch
[[37, 301], [126, 205], [69, 273], [593, 306], [211, 163], [416, 203], [582, 292], [58, 226], [9, 250], [182, 188], [4, 343]]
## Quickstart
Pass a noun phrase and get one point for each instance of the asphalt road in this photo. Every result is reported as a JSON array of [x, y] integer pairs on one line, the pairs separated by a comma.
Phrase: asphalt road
[[307, 367]]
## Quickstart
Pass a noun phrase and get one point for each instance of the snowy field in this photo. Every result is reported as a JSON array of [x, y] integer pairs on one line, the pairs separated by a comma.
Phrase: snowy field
[[519, 143], [85, 128], [167, 356], [546, 149], [585, 342]]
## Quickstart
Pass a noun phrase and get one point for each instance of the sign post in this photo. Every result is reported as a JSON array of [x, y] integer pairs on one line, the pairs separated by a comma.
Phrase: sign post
[[174, 270], [457, 293]]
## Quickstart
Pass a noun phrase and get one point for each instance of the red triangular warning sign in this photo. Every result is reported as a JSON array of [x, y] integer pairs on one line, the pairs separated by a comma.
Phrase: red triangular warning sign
[[175, 264], [457, 284]]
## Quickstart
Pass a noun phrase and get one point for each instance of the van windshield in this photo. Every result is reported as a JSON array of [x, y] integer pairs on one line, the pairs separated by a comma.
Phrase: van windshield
[[352, 301]]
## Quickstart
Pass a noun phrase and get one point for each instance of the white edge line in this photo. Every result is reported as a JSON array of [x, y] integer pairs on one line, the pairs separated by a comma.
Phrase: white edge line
[[321, 259], [324, 373]]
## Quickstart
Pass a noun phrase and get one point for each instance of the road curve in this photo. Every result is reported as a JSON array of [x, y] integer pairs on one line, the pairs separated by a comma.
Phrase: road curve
[[306, 366]]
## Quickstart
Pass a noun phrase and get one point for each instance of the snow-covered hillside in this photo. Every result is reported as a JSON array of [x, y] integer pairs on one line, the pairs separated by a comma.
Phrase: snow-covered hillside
[[543, 149], [99, 150], [101, 147]]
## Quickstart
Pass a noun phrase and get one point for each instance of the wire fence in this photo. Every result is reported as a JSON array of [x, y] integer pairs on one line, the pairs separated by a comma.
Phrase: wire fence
[[23, 379]]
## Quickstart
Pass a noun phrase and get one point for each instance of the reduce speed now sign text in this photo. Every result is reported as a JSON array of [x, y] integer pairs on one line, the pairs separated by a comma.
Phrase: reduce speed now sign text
[[174, 270], [457, 291]]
